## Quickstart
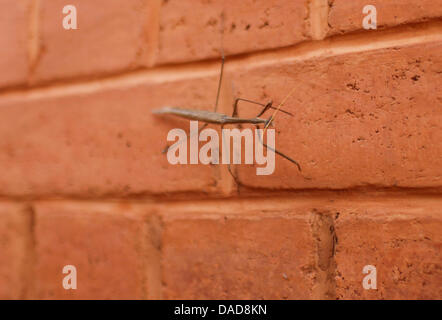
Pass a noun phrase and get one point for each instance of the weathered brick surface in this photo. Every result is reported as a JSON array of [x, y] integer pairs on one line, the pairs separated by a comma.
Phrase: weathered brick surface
[[15, 240], [112, 36], [346, 16], [108, 244], [402, 239], [360, 119], [363, 121], [13, 42], [191, 30], [244, 252], [76, 123], [100, 140]]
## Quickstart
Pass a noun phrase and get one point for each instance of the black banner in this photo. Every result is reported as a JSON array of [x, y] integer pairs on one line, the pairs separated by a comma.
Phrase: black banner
[[222, 309]]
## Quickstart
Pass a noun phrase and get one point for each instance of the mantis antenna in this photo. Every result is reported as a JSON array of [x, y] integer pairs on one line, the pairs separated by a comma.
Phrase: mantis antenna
[[278, 108]]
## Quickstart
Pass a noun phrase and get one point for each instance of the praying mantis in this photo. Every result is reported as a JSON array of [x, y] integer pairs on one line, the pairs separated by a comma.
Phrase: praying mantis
[[214, 117]]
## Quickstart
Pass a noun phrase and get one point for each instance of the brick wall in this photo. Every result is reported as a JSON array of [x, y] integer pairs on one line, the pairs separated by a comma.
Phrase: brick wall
[[84, 182]]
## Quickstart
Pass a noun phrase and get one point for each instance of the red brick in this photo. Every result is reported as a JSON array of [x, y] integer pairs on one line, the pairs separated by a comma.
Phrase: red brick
[[346, 16], [13, 42], [107, 243], [101, 139], [402, 239], [112, 35], [238, 251], [15, 256], [191, 30], [370, 118]]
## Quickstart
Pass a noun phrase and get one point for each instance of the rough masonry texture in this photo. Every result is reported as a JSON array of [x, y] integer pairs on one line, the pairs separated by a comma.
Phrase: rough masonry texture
[[84, 181]]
